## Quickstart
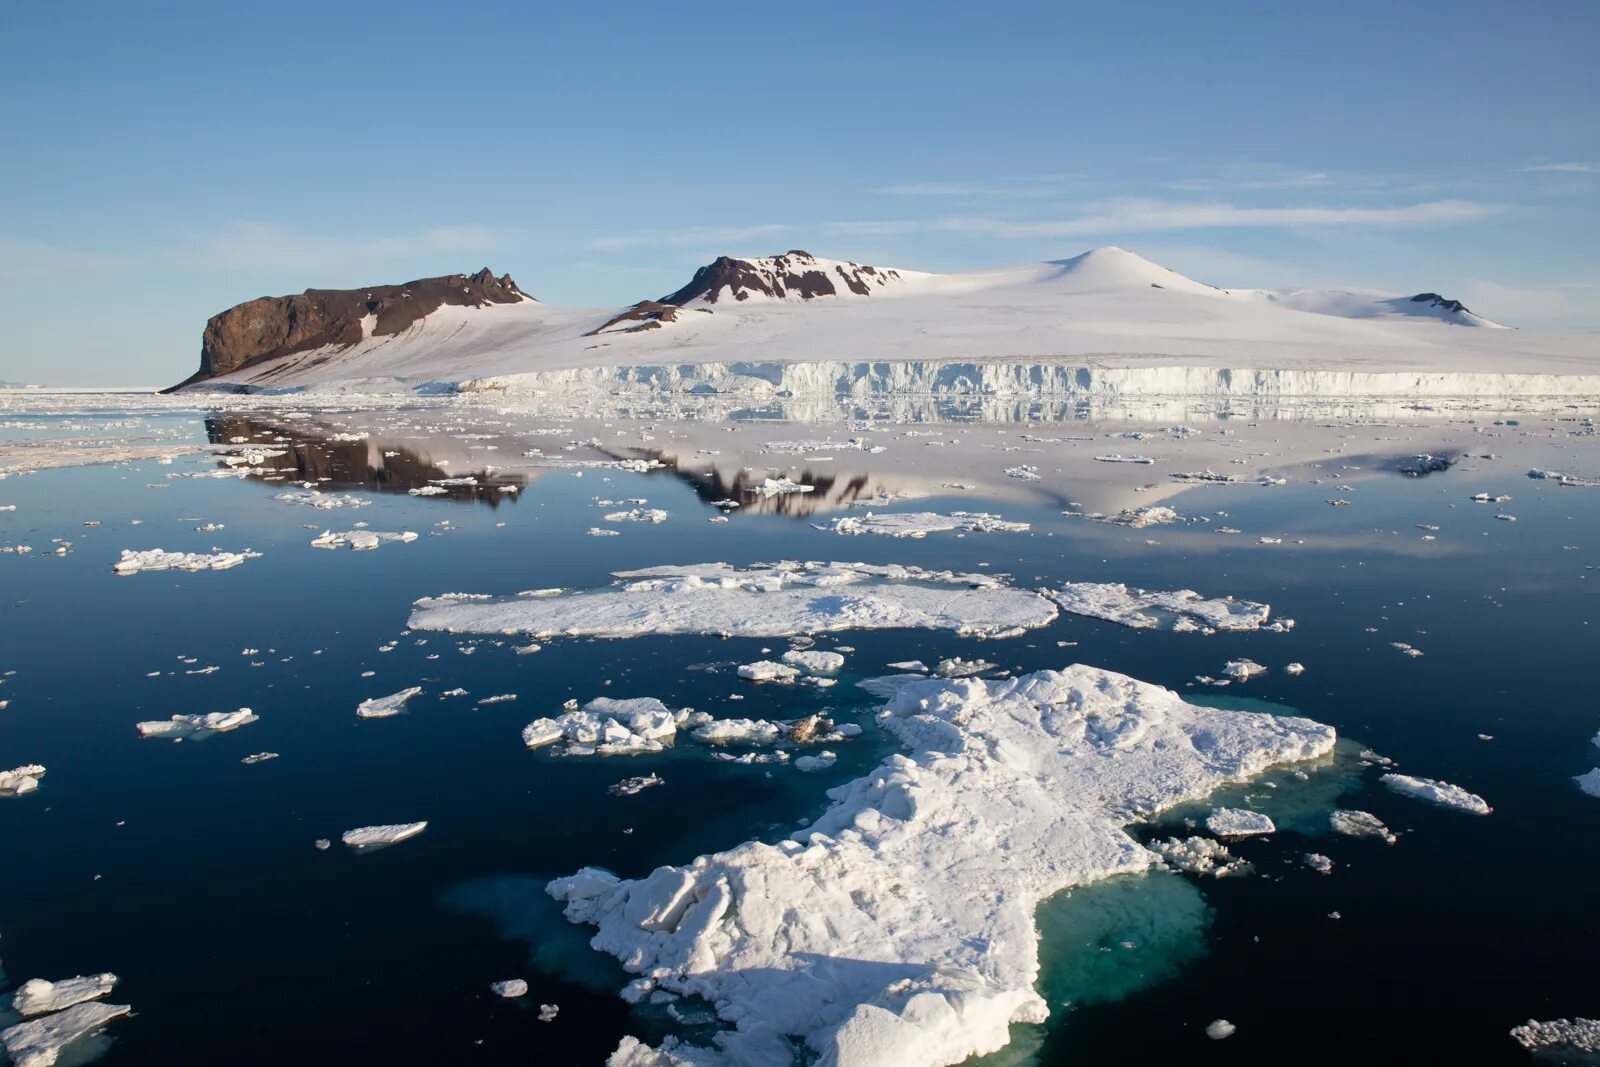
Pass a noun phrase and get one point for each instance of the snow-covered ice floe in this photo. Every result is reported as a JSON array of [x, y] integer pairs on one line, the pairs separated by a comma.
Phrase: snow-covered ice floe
[[1559, 1038], [389, 834], [1562, 478], [156, 559], [1360, 824], [1589, 782], [181, 726], [20, 780], [40, 997], [1433, 791], [1198, 855], [39, 1042], [383, 707], [899, 927], [1183, 610], [1239, 822], [359, 540], [766, 600], [920, 524], [610, 727]]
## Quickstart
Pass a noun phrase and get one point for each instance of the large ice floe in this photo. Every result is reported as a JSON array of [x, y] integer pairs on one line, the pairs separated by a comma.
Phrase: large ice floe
[[898, 928], [1184, 610], [919, 524], [1434, 791], [156, 559], [1574, 1041], [20, 780], [765, 600], [181, 726], [38, 996], [39, 1042], [360, 540]]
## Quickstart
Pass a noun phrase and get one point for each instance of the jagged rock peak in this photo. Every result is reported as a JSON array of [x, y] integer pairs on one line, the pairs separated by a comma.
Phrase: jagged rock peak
[[793, 275]]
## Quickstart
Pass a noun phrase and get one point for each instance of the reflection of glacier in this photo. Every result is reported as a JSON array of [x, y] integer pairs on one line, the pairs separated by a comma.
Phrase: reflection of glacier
[[1007, 392]]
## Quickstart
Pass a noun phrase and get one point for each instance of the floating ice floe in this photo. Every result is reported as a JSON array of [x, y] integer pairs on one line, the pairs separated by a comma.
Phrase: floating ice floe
[[956, 667], [820, 762], [39, 997], [181, 726], [632, 786], [1434, 791], [1183, 610], [258, 757], [1317, 862], [39, 1042], [1118, 457], [155, 559], [1199, 855], [1139, 518], [1218, 1029], [428, 490], [359, 540], [776, 600], [650, 515], [323, 501], [611, 727], [813, 662], [1560, 1038], [930, 868], [548, 1012], [383, 707], [779, 487], [1242, 670], [1239, 822], [20, 780], [1360, 824], [1294, 668], [389, 834], [1589, 782], [510, 988], [768, 671], [1564, 479], [1023, 473], [919, 524]]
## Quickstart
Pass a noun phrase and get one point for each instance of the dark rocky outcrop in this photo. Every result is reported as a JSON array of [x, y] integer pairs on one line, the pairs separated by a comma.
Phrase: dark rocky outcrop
[[645, 315], [1435, 300], [274, 326], [793, 274]]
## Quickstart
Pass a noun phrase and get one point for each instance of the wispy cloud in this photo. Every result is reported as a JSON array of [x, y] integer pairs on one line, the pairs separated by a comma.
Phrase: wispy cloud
[[1560, 305], [1279, 176], [266, 246], [1150, 216], [1560, 168], [1034, 186], [694, 235]]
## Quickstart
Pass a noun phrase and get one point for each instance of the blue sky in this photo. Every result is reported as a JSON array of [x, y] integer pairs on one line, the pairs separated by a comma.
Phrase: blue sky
[[164, 161]]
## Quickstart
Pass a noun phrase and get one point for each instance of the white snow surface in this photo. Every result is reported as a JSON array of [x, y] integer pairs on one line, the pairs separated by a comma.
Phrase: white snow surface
[[155, 559], [359, 540], [766, 600], [1104, 322], [1183, 610], [919, 524], [383, 707], [1434, 791], [899, 927], [1239, 822], [39, 997], [181, 726], [39, 1042], [388, 834]]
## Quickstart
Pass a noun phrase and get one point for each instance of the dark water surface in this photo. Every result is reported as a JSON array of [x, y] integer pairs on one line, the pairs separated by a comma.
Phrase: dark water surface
[[195, 879]]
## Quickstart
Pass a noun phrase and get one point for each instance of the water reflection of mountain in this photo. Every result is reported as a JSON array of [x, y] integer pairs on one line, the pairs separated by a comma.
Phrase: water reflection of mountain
[[831, 490], [313, 454]]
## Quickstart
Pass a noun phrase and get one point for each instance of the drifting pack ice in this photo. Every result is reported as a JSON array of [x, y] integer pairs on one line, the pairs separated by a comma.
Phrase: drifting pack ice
[[899, 927]]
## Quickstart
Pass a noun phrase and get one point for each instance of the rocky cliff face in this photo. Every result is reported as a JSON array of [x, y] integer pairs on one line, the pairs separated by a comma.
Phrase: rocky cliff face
[[793, 275], [274, 326]]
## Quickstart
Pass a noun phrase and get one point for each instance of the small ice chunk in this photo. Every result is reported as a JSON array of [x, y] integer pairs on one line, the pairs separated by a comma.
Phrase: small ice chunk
[[1360, 824], [813, 662], [1590, 782], [1198, 855], [1434, 791], [1295, 668], [510, 988], [1238, 822], [632, 786], [1242, 669], [768, 671], [956, 667], [820, 762], [548, 1012], [1318, 862], [388, 834], [383, 707], [38, 996], [738, 731], [1218, 1029]]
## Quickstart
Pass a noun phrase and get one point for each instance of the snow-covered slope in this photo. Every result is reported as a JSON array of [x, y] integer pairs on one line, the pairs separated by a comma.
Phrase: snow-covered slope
[[760, 320]]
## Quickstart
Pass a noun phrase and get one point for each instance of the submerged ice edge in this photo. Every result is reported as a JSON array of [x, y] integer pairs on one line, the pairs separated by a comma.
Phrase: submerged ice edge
[[899, 928]]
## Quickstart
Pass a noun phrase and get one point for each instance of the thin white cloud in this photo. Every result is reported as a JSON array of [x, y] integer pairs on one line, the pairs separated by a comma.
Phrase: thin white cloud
[[1148, 216], [1561, 168], [1006, 188], [1560, 305], [266, 246], [694, 235]]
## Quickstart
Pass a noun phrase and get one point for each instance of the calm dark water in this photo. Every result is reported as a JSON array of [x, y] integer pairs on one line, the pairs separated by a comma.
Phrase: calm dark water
[[195, 877]]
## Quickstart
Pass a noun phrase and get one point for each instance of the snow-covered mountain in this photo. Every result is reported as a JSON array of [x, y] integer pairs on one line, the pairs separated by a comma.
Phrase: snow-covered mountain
[[1107, 308]]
